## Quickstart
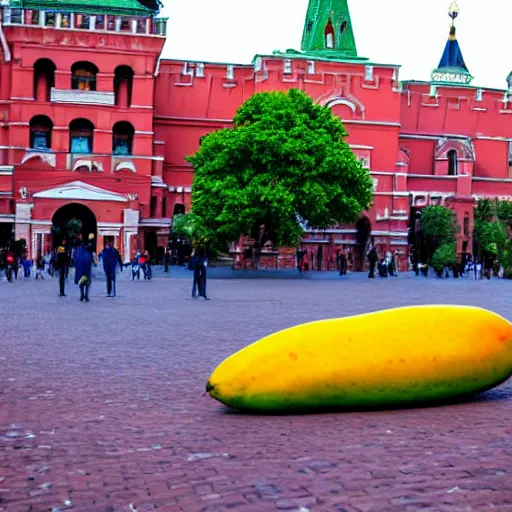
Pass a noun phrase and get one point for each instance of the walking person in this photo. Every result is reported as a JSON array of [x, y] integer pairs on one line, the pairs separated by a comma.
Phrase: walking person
[[62, 265], [478, 270], [200, 273], [299, 254], [342, 263], [111, 258], [198, 263], [167, 259], [10, 265], [373, 259], [191, 265], [84, 260], [40, 267]]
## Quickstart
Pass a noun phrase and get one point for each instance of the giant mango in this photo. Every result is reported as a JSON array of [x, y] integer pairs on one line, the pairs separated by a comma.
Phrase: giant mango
[[397, 357]]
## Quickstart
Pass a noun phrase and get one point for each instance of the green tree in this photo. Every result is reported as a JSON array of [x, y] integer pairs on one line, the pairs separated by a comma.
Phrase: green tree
[[68, 230], [192, 227], [438, 228], [284, 165], [444, 256], [491, 234], [492, 237]]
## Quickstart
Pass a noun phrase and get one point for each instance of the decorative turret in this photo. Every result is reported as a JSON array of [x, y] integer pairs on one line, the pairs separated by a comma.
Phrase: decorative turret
[[452, 69], [328, 30]]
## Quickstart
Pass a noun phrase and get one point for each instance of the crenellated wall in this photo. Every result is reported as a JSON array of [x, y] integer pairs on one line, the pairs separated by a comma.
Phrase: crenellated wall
[[194, 98]]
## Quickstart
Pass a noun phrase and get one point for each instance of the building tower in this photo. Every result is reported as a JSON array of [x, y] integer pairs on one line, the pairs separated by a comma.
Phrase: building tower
[[328, 30], [76, 88], [452, 68]]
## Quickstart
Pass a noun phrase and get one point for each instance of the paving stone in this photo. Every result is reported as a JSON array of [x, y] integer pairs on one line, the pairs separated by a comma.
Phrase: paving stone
[[113, 392]]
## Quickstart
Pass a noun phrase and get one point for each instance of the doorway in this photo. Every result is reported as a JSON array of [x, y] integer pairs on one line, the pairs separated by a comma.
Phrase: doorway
[[6, 234], [150, 243], [73, 222]]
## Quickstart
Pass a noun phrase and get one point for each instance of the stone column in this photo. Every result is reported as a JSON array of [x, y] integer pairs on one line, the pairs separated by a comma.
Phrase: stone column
[[22, 224], [130, 230]]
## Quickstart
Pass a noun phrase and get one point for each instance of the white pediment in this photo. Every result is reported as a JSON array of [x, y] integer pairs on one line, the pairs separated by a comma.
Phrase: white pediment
[[78, 190]]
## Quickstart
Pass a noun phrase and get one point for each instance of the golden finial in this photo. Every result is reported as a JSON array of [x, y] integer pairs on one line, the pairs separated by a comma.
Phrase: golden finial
[[453, 11]]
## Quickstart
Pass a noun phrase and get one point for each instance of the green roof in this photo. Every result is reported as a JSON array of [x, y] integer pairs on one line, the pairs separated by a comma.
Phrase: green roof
[[114, 7]]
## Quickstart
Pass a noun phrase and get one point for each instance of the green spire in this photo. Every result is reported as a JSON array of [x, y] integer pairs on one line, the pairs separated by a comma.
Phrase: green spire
[[328, 30]]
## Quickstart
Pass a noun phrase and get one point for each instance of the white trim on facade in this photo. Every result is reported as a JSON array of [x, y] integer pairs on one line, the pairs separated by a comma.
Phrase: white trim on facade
[[35, 222], [78, 97], [498, 139], [394, 194], [371, 123], [155, 223], [398, 234], [495, 180], [5, 46], [7, 217], [435, 176], [78, 190], [110, 225], [360, 146]]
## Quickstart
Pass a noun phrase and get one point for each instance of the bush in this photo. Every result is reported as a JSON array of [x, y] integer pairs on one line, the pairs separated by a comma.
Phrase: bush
[[438, 228], [443, 257]]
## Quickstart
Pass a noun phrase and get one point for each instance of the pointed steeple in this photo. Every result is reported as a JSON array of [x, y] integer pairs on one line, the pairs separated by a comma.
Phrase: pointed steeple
[[328, 30], [452, 68]]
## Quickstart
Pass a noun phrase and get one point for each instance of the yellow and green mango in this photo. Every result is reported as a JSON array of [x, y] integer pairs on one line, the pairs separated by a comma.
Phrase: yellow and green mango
[[405, 356]]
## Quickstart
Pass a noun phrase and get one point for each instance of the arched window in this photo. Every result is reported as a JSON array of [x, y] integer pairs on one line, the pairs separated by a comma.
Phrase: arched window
[[452, 163], [44, 79], [83, 76], [123, 82], [41, 133], [179, 209], [329, 35], [122, 138], [81, 135]]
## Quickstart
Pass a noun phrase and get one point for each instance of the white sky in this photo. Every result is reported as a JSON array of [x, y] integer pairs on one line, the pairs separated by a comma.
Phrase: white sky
[[407, 32]]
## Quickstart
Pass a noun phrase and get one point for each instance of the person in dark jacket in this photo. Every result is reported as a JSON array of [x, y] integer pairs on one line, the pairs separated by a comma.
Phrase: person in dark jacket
[[84, 259], [373, 260], [111, 258], [199, 263], [62, 265]]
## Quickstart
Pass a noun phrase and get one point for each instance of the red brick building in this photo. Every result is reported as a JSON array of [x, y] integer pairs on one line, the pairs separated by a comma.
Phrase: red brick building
[[76, 121], [102, 123]]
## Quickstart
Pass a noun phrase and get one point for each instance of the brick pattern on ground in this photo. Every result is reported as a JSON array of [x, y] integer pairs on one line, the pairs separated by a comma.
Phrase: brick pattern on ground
[[102, 405]]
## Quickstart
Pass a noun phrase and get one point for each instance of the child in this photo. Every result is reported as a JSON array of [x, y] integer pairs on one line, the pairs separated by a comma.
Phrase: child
[[40, 267]]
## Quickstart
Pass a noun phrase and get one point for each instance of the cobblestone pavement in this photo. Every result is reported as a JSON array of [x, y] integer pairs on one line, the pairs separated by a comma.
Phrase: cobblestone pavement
[[102, 405]]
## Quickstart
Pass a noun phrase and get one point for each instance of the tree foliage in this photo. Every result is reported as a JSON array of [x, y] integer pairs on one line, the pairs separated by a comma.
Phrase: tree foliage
[[192, 227], [438, 228], [493, 224], [69, 230], [283, 164], [444, 256]]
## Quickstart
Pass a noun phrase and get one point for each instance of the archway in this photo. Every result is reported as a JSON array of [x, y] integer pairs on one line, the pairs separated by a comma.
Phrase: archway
[[72, 222], [364, 229]]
